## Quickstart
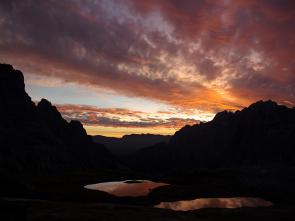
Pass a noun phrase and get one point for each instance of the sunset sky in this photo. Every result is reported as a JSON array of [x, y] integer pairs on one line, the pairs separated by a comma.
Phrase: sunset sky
[[150, 66]]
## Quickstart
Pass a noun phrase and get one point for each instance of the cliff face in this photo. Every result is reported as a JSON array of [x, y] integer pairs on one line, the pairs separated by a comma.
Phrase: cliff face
[[261, 135], [37, 137]]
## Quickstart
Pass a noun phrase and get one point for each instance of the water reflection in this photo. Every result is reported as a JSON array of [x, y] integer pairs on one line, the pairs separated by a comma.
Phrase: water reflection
[[236, 202], [132, 188]]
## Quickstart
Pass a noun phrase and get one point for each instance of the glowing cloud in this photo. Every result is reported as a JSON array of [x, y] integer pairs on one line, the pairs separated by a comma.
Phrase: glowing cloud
[[192, 55]]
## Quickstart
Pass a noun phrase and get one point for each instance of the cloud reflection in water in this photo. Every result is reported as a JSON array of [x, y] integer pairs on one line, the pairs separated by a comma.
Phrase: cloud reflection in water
[[235, 202], [128, 188]]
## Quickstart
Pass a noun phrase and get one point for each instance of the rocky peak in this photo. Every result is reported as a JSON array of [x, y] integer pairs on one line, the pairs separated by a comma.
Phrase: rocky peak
[[223, 116], [263, 105], [259, 135], [13, 79], [47, 110], [44, 104], [77, 128], [14, 99], [37, 136]]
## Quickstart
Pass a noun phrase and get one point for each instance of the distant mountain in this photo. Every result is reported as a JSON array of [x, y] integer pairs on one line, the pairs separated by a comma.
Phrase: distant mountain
[[129, 144], [37, 138], [261, 135]]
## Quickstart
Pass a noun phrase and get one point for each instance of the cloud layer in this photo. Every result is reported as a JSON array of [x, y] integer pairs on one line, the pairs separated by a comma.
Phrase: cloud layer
[[204, 55], [119, 117]]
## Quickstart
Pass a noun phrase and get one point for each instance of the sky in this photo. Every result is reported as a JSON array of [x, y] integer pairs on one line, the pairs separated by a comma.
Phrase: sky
[[138, 66]]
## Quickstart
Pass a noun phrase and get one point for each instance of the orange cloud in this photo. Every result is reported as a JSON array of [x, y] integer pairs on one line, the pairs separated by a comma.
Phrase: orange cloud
[[119, 117], [203, 55]]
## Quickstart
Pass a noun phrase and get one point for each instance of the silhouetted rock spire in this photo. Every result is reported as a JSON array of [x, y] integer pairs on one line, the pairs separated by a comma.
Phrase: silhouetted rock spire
[[13, 97]]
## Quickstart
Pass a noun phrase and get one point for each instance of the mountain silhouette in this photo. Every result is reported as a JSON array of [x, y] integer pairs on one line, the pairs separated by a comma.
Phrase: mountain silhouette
[[129, 144], [44, 157], [261, 135], [37, 138]]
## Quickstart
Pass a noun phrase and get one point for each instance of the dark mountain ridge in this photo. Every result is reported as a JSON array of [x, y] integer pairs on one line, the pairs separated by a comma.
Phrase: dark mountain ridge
[[261, 135], [42, 156], [36, 137], [129, 144]]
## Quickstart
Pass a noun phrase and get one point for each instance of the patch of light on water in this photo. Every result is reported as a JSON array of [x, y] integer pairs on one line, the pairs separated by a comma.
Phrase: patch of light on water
[[235, 202], [127, 188]]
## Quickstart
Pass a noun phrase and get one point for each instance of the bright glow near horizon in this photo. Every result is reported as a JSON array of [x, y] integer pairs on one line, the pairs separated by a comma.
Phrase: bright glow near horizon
[[140, 66]]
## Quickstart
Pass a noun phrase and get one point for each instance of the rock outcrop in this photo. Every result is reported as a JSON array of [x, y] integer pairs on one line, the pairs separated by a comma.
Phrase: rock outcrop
[[37, 138]]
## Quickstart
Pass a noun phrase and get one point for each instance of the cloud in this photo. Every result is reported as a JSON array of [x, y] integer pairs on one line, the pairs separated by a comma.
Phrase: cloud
[[206, 55], [69, 108], [119, 117]]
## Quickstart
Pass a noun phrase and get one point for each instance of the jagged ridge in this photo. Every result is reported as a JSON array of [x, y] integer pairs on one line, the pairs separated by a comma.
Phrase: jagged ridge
[[37, 137], [261, 135]]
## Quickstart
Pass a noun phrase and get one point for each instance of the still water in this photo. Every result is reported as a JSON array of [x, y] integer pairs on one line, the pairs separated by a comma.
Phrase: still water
[[131, 188], [235, 202], [137, 188]]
